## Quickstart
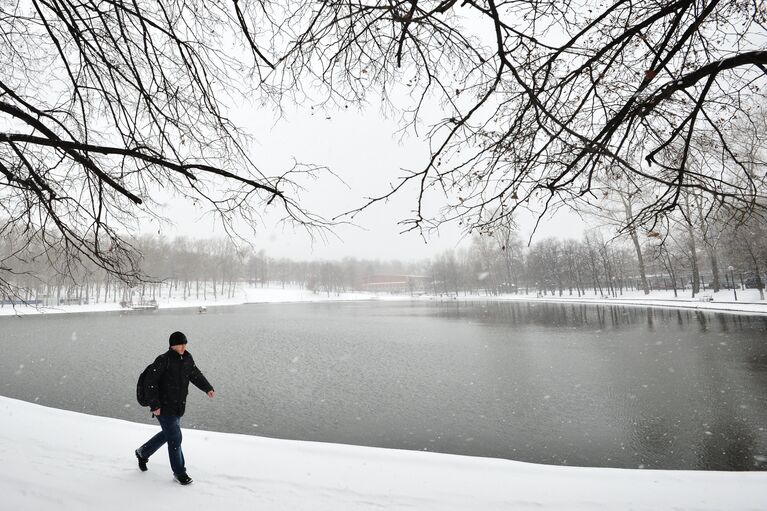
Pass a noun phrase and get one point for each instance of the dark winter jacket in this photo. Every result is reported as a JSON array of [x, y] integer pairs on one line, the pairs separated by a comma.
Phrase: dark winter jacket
[[168, 382]]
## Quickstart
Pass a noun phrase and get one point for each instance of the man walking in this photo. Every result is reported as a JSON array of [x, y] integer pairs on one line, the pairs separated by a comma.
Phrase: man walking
[[167, 385]]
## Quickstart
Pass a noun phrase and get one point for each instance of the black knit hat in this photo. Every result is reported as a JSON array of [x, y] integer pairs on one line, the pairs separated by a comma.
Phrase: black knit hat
[[177, 338]]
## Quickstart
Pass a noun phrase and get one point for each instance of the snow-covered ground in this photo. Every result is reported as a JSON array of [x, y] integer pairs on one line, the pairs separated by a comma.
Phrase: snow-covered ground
[[748, 300], [247, 295], [59, 460]]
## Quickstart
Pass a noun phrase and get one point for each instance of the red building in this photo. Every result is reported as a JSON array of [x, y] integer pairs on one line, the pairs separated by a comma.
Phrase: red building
[[400, 284]]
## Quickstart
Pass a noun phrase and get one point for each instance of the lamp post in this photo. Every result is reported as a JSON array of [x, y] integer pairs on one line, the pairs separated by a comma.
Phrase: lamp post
[[732, 278]]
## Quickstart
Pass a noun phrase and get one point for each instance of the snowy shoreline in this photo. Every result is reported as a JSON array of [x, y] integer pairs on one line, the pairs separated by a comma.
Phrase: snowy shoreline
[[56, 459], [722, 301], [731, 307]]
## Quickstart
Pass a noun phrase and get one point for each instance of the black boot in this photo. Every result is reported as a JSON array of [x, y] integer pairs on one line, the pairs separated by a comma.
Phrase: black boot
[[141, 461], [183, 479]]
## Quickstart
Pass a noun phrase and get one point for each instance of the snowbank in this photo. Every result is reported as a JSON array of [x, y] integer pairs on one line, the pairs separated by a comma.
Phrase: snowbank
[[723, 301], [54, 459], [248, 295]]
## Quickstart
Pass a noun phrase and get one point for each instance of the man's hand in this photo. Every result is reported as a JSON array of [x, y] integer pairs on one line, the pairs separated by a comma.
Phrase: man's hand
[[156, 412], [211, 394]]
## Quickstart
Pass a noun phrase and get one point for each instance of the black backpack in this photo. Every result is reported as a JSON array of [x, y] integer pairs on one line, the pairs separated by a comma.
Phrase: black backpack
[[141, 385]]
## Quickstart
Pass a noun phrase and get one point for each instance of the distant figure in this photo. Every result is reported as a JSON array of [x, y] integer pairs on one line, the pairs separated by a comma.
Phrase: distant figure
[[167, 385]]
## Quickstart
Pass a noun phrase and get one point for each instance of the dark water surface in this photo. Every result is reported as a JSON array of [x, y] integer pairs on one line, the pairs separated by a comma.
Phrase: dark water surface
[[587, 385]]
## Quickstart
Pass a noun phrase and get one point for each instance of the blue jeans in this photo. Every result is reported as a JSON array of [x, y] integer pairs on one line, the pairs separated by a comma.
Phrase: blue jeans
[[171, 433]]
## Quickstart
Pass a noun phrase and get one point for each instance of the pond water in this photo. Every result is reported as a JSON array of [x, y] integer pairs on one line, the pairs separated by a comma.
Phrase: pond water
[[569, 384]]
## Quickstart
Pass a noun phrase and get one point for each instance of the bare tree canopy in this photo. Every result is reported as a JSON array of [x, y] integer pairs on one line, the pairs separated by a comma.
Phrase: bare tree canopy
[[542, 98], [103, 102]]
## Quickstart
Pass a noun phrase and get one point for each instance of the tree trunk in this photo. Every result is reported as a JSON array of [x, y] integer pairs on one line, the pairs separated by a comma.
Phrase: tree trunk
[[758, 272], [672, 275], [640, 260], [693, 254], [710, 246], [637, 247], [715, 283]]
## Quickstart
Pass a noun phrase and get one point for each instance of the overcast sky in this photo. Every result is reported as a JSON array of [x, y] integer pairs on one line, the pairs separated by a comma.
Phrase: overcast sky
[[362, 148]]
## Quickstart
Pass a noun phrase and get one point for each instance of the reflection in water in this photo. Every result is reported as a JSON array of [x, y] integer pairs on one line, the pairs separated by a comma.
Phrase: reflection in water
[[721, 319], [701, 317], [665, 388], [613, 316], [558, 383]]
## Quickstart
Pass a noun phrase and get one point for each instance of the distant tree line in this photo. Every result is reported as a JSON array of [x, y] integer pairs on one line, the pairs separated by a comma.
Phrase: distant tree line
[[688, 256], [180, 268]]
